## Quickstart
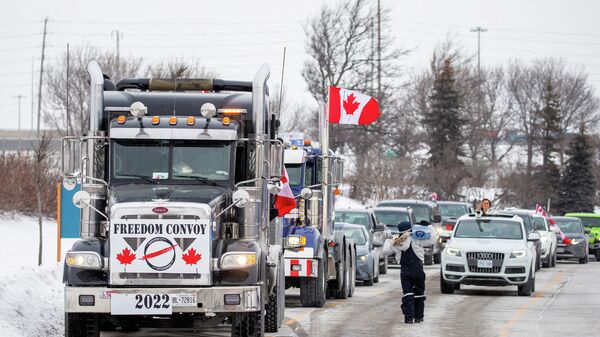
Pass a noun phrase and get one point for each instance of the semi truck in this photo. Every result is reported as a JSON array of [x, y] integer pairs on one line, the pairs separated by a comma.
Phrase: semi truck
[[318, 260], [177, 221]]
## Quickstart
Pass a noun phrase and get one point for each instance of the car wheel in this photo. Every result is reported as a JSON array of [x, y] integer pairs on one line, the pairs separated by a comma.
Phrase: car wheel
[[428, 260], [437, 258], [527, 288], [554, 259], [445, 287], [376, 273], [597, 255], [582, 260], [384, 269], [369, 282]]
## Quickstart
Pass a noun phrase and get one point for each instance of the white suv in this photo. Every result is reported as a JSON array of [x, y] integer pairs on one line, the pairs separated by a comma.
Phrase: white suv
[[548, 240], [489, 250]]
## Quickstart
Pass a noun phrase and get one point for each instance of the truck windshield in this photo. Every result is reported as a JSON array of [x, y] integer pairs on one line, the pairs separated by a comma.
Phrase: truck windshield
[[489, 229], [295, 174], [454, 211], [181, 160]]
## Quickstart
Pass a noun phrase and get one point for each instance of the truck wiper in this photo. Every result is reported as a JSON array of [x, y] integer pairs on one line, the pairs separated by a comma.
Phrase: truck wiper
[[197, 178], [146, 178]]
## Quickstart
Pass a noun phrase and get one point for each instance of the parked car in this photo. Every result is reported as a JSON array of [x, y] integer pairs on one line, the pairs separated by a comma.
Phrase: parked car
[[424, 211], [527, 216], [450, 212], [367, 218], [367, 256], [574, 245], [591, 221], [547, 239], [489, 250]]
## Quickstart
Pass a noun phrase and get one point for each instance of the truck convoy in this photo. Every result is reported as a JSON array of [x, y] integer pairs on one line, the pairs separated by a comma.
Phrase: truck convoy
[[177, 224], [319, 261]]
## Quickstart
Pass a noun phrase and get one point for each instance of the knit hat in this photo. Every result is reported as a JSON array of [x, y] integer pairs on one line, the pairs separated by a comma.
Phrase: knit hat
[[404, 226]]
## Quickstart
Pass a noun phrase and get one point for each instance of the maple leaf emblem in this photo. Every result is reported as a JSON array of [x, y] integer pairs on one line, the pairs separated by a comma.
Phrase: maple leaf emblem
[[192, 257], [350, 104], [125, 257]]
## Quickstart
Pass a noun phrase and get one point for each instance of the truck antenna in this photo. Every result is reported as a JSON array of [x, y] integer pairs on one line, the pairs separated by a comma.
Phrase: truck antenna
[[281, 84]]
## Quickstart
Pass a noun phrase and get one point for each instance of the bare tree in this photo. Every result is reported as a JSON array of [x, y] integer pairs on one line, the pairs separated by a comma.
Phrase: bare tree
[[41, 154], [179, 68], [55, 106]]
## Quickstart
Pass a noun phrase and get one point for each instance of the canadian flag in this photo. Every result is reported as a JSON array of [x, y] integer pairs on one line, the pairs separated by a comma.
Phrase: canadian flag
[[540, 210], [284, 200], [351, 107]]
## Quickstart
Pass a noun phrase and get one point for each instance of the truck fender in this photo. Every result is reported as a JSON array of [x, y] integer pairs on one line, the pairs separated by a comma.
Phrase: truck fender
[[77, 277], [274, 265], [340, 246]]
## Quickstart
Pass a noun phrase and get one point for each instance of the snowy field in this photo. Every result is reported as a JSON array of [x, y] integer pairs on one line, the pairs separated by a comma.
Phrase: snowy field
[[31, 297]]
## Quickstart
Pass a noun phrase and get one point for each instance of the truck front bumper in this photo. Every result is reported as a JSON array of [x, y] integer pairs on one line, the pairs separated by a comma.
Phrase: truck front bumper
[[210, 300]]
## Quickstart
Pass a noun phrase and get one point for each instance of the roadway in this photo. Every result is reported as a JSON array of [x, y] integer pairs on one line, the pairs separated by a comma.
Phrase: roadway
[[566, 303]]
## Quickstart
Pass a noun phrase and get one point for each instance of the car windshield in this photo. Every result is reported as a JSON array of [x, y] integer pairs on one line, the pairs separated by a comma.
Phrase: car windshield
[[590, 222], [453, 210], [569, 226], [421, 211], [182, 160], [295, 174], [391, 219], [540, 224], [355, 233], [488, 229], [353, 218]]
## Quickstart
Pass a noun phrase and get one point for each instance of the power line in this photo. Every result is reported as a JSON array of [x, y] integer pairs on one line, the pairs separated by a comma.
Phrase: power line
[[172, 23]]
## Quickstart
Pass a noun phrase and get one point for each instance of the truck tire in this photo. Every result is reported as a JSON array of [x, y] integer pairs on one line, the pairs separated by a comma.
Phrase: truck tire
[[81, 325], [352, 272], [384, 269], [344, 290], [275, 307], [248, 324], [527, 288], [314, 289], [428, 260]]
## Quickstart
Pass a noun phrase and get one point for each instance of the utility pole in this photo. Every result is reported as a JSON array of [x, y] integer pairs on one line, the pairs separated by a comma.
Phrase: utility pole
[[32, 90], [118, 36], [379, 49], [19, 97], [67, 79], [479, 30], [372, 75], [39, 108]]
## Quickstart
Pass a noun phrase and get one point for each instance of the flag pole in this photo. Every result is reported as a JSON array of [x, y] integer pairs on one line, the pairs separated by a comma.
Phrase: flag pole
[[324, 133]]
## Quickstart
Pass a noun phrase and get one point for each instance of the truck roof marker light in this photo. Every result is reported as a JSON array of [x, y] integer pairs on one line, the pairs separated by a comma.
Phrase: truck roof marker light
[[155, 120], [191, 120], [226, 120], [138, 109], [232, 112], [172, 120], [208, 110], [307, 142], [121, 119], [294, 147]]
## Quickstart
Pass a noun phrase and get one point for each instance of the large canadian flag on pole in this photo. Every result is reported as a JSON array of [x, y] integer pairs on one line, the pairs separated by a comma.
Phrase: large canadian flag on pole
[[284, 200], [351, 107]]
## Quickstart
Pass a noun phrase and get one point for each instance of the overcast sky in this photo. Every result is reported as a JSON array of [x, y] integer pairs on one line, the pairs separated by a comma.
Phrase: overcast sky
[[233, 38]]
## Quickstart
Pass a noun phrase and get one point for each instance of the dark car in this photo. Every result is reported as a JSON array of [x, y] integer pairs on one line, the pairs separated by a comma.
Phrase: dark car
[[391, 217], [367, 256], [527, 216], [574, 245], [424, 211], [367, 218], [451, 211]]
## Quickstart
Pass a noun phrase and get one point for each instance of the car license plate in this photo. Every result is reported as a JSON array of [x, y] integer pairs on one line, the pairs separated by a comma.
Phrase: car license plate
[[184, 300], [485, 263], [141, 304], [560, 249]]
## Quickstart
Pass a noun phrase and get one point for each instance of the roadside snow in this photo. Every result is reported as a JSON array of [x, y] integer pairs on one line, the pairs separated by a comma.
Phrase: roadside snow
[[31, 297]]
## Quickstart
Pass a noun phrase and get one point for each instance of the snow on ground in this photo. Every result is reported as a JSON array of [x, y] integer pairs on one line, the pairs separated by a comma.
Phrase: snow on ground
[[31, 297]]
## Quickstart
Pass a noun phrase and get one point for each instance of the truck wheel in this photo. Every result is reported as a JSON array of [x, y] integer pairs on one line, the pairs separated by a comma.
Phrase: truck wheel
[[527, 288], [313, 289], [81, 325], [437, 258], [384, 269], [248, 324], [352, 274], [275, 307], [344, 290], [428, 260]]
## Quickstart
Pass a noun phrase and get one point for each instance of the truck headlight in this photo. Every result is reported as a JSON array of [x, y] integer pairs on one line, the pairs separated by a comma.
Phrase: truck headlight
[[238, 260], [84, 260], [518, 253], [453, 251], [295, 241]]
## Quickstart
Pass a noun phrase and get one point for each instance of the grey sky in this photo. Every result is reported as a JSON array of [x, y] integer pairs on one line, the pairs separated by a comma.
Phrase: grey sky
[[234, 37]]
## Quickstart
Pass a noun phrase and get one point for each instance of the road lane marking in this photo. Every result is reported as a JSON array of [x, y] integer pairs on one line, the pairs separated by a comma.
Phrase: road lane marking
[[536, 296], [296, 327]]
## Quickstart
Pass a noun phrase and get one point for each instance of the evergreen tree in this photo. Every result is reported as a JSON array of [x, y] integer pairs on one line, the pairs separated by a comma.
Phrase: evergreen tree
[[443, 123], [577, 186]]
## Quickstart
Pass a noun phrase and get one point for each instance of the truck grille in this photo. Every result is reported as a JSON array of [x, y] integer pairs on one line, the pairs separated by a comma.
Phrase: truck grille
[[157, 276], [496, 258], [160, 216]]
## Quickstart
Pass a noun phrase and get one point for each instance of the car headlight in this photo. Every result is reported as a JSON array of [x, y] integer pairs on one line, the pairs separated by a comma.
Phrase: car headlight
[[543, 238], [575, 241], [453, 251], [518, 253], [362, 258], [238, 260], [84, 260], [295, 241]]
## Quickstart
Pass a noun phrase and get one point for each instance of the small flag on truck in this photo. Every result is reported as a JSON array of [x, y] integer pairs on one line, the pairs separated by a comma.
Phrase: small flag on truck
[[351, 107], [284, 200]]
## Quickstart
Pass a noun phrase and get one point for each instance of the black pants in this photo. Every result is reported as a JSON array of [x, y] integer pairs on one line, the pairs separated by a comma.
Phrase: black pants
[[413, 286]]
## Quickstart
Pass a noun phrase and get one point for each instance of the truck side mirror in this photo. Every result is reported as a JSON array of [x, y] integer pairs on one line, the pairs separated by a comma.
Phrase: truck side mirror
[[276, 160], [306, 193], [71, 157], [241, 198], [81, 199]]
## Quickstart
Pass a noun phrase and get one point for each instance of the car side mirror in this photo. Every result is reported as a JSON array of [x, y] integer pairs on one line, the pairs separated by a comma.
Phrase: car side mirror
[[587, 231], [379, 228], [437, 218], [533, 237]]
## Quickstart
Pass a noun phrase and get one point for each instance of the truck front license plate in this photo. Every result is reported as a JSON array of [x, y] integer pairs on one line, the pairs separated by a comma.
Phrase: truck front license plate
[[141, 304], [184, 300], [485, 263]]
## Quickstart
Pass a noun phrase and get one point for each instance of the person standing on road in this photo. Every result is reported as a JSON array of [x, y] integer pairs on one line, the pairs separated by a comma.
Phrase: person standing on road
[[410, 254]]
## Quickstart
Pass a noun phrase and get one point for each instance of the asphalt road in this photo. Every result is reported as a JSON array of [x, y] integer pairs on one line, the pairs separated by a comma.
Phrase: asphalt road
[[566, 303]]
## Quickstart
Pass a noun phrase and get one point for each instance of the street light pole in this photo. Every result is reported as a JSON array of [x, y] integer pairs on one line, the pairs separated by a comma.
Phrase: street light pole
[[19, 98], [479, 30]]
